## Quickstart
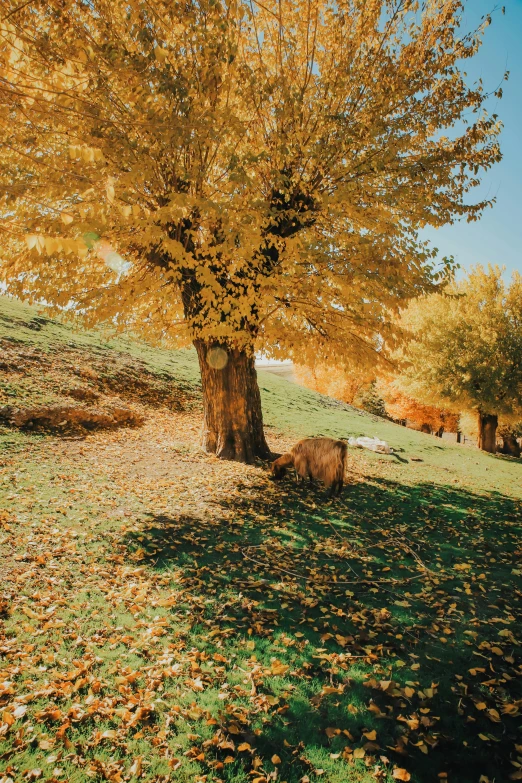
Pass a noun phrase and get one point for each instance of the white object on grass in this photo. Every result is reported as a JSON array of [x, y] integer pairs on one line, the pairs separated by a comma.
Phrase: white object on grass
[[374, 444]]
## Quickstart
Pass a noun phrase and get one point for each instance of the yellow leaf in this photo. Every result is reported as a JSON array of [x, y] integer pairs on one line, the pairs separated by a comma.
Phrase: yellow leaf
[[275, 759], [401, 774], [371, 735], [136, 767], [359, 753], [243, 746], [279, 668], [160, 54], [197, 684], [331, 732], [110, 190]]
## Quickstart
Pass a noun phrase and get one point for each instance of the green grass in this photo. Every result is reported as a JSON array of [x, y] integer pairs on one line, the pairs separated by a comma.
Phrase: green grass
[[220, 627], [26, 326]]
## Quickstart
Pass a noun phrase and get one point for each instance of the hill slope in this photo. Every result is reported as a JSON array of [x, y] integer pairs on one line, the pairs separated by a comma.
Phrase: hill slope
[[167, 616], [135, 371]]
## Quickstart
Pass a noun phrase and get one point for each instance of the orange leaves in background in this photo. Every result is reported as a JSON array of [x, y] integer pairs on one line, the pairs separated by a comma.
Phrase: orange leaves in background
[[334, 381], [401, 407]]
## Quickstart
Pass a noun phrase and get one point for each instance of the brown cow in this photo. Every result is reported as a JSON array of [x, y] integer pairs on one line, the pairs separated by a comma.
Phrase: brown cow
[[315, 458]]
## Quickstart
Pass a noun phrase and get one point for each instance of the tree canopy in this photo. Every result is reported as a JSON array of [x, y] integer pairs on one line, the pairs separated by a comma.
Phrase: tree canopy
[[466, 348], [346, 385], [399, 407], [250, 173]]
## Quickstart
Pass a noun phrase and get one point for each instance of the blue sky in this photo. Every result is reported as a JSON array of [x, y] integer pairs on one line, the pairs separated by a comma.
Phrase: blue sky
[[497, 238]]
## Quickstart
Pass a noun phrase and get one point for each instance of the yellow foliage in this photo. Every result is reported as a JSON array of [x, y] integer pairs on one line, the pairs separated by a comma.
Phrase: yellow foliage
[[265, 183], [334, 380], [399, 407], [465, 347]]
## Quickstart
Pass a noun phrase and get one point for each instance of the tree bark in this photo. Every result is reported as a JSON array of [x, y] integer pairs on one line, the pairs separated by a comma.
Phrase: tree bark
[[487, 440], [233, 420]]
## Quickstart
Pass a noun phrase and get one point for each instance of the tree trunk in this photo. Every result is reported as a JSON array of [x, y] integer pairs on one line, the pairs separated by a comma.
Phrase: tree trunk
[[233, 425], [510, 446], [459, 437], [487, 440]]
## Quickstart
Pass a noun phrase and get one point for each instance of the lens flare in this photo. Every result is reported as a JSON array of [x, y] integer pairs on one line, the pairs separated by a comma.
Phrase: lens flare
[[217, 358]]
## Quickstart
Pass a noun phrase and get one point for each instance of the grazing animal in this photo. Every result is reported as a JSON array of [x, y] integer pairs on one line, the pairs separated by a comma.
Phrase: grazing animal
[[315, 458]]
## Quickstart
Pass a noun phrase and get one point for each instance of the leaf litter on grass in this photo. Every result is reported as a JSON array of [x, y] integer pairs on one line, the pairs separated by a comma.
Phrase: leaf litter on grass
[[167, 616]]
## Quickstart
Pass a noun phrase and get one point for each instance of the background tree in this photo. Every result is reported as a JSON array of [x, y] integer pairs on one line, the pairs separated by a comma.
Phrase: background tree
[[353, 385], [466, 350], [370, 400], [428, 418], [256, 173], [510, 434], [335, 381]]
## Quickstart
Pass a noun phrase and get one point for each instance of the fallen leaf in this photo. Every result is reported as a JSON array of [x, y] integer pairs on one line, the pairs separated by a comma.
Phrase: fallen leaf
[[401, 774]]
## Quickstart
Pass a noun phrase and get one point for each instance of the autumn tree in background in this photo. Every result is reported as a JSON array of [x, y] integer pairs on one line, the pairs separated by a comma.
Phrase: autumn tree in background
[[466, 350], [237, 175], [353, 385], [358, 386], [335, 381], [428, 418]]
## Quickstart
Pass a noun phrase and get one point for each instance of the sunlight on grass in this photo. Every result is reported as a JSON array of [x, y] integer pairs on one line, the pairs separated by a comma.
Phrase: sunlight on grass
[[199, 628]]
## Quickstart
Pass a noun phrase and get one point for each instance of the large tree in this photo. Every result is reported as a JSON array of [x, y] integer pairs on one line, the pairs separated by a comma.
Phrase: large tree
[[253, 174], [465, 351]]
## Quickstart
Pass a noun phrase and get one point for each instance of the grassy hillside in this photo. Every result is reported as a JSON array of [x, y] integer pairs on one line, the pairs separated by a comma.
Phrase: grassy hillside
[[287, 407], [166, 616]]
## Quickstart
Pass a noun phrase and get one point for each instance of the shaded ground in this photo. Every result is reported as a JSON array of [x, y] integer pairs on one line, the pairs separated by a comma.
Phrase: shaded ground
[[166, 616]]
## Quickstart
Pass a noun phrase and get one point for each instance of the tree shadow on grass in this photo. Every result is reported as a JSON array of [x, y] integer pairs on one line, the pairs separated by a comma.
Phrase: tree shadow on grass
[[393, 608]]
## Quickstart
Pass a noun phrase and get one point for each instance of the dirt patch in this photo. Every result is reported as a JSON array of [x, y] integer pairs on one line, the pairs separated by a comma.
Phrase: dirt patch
[[70, 416], [168, 447], [81, 394]]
